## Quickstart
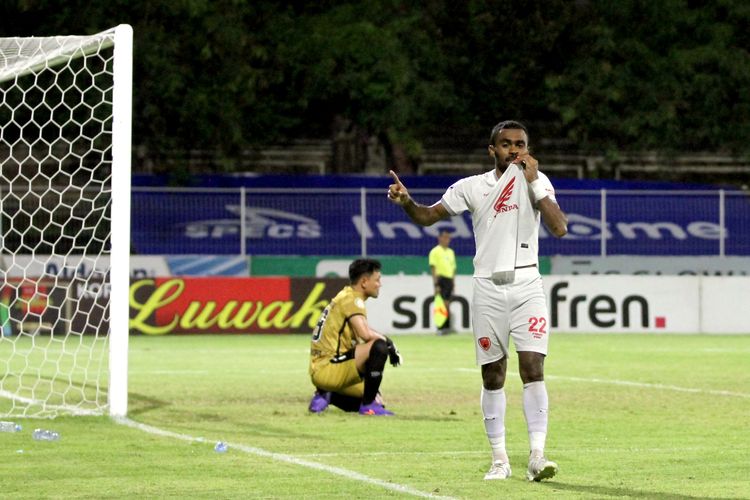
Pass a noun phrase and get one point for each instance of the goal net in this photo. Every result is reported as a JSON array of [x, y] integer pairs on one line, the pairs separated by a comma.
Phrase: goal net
[[65, 112]]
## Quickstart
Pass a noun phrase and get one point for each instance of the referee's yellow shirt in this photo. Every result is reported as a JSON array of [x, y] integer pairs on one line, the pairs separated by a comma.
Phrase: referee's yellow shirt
[[444, 261]]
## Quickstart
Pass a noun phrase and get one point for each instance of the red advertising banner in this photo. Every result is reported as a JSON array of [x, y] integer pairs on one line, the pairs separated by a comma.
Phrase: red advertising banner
[[163, 306], [32, 305]]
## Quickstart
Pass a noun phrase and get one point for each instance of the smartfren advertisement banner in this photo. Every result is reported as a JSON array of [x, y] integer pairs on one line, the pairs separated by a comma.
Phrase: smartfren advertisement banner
[[584, 304], [354, 222]]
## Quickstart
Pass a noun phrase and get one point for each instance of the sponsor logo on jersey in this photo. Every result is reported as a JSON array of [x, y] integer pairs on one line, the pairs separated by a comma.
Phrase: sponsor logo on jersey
[[501, 204]]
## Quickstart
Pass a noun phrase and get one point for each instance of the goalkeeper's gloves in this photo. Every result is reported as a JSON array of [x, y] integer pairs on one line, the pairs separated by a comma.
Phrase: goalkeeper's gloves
[[393, 355]]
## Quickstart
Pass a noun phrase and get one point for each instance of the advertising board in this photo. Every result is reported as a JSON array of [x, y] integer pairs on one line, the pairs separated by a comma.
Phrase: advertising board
[[356, 222], [278, 305], [163, 306], [585, 304]]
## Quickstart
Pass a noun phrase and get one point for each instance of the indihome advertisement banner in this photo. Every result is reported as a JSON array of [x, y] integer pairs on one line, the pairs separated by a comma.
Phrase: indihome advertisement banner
[[328, 222]]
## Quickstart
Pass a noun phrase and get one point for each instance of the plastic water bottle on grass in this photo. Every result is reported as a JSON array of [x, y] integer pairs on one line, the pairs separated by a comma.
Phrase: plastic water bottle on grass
[[45, 435], [221, 447], [6, 426]]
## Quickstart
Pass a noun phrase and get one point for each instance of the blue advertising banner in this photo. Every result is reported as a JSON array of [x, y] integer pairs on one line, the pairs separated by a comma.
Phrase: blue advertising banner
[[362, 221]]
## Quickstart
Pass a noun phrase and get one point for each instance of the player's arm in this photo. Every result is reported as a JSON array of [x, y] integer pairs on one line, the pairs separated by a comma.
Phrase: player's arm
[[362, 329], [554, 218], [435, 282], [419, 214]]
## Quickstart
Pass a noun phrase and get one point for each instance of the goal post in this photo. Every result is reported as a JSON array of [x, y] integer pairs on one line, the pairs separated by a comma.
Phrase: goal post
[[120, 260], [65, 153]]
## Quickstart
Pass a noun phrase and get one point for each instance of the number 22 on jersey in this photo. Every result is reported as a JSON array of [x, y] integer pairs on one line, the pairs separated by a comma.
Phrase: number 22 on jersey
[[537, 326]]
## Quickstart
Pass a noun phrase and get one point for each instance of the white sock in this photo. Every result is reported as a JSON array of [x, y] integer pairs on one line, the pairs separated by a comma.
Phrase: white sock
[[493, 409], [535, 407]]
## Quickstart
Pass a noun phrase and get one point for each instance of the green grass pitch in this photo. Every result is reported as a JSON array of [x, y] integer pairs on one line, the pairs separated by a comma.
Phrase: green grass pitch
[[631, 416]]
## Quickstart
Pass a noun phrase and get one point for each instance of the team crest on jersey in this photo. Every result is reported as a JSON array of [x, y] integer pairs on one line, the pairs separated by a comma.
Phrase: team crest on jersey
[[501, 204], [484, 343], [359, 303]]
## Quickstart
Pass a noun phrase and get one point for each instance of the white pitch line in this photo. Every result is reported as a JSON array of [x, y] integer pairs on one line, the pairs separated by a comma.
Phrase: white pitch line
[[629, 383], [460, 453], [646, 385], [280, 457]]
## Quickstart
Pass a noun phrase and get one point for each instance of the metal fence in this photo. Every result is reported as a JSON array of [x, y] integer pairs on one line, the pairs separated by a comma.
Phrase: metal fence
[[277, 221]]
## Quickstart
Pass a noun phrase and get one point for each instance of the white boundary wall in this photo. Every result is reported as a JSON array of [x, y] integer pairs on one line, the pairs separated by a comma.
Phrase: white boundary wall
[[583, 304]]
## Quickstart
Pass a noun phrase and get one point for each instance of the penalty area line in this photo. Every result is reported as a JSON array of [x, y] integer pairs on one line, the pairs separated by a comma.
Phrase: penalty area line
[[281, 457]]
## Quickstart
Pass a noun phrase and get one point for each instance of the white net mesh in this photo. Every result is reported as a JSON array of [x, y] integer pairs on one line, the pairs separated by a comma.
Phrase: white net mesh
[[56, 118]]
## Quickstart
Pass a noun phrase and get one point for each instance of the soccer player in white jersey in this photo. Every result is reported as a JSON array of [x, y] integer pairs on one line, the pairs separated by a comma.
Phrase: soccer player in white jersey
[[516, 306]]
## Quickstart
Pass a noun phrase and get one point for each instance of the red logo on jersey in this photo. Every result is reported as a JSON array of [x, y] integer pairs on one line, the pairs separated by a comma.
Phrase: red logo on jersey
[[502, 200], [484, 343]]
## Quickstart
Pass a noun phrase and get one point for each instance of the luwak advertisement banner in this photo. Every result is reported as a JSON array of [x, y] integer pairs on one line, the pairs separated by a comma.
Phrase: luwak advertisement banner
[[164, 306]]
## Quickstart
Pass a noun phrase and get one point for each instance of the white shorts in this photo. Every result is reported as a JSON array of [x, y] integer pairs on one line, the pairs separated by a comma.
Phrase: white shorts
[[517, 310]]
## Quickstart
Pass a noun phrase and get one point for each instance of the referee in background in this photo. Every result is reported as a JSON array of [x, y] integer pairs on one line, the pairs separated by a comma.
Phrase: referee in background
[[442, 261]]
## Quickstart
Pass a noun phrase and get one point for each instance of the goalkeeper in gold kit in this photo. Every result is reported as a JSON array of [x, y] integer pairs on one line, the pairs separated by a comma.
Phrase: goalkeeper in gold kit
[[347, 357]]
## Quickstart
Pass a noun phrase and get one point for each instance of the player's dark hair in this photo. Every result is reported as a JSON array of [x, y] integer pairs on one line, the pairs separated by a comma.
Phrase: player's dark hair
[[360, 267], [506, 124]]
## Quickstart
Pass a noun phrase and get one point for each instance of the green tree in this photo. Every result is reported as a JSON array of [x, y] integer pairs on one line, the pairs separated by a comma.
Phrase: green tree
[[661, 76], [372, 63], [227, 75]]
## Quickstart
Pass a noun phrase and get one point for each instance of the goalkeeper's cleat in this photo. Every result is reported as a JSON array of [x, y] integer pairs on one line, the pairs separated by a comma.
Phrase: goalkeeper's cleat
[[540, 468], [499, 470], [374, 408], [320, 401]]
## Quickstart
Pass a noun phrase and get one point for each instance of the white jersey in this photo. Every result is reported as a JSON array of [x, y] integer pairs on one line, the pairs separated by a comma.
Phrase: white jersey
[[473, 194]]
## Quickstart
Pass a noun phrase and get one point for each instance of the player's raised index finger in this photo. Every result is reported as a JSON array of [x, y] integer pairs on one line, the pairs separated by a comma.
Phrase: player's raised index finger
[[395, 177]]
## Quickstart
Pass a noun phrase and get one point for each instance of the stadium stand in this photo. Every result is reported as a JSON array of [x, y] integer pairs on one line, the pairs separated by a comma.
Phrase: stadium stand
[[316, 156], [296, 157], [695, 167], [698, 167]]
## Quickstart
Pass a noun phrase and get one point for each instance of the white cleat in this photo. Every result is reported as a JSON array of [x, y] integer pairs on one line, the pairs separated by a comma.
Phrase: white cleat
[[499, 470], [540, 468]]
